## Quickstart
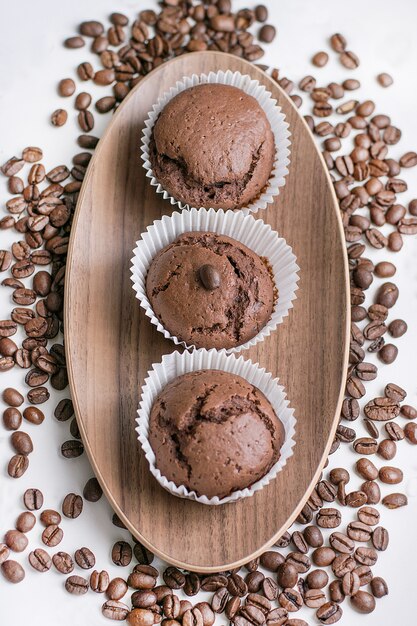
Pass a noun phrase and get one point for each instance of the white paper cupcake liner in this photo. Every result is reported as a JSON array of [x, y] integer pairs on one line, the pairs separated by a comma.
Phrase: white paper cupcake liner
[[255, 234], [272, 110], [176, 364]]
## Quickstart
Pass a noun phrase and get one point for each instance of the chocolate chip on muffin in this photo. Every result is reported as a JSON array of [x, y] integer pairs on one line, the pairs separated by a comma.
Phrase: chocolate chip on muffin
[[210, 291], [214, 433], [212, 146]]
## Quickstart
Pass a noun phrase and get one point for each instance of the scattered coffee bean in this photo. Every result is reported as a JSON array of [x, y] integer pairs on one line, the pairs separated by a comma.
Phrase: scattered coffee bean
[[72, 505]]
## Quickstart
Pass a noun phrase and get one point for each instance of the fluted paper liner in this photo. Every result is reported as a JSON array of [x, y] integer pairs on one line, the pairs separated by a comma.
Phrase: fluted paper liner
[[176, 364], [254, 234], [272, 110]]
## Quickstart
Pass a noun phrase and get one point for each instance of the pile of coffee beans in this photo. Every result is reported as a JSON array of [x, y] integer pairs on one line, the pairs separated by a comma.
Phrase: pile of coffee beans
[[322, 562]]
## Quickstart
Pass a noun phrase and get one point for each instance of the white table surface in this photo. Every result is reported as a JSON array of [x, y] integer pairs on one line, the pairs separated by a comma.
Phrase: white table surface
[[32, 62]]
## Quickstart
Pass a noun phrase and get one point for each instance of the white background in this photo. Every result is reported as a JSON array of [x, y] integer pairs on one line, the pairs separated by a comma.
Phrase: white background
[[32, 61]]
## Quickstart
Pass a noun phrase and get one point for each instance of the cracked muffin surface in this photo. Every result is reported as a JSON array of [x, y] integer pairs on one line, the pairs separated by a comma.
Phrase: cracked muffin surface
[[214, 433], [212, 146], [222, 317]]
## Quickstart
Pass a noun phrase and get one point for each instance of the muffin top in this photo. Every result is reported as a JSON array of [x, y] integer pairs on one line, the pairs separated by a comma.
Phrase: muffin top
[[210, 291], [214, 433], [213, 146]]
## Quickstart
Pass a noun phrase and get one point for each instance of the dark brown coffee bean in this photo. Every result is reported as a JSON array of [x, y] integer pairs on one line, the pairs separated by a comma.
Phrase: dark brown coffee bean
[[33, 499], [390, 475], [372, 492], [85, 559], [350, 409], [143, 599], [382, 409], [33, 415], [371, 428], [291, 600], [395, 500], [17, 466], [38, 395], [12, 397], [40, 560], [358, 531], [16, 540], [317, 579], [366, 469], [74, 42], [387, 449], [410, 432], [397, 328], [287, 575], [72, 505], [209, 277], [142, 579], [59, 117], [409, 412], [52, 535], [329, 613], [320, 59], [63, 562], [116, 589], [368, 515], [64, 410], [271, 560], [25, 522], [66, 87], [72, 449], [270, 588], [363, 602], [49, 517], [394, 431], [236, 586], [323, 556], [99, 581], [379, 587], [7, 328], [121, 553], [92, 490], [22, 443], [106, 104], [365, 445], [254, 581], [380, 538], [86, 121], [341, 543], [77, 585], [338, 42], [12, 419], [328, 518], [388, 353], [12, 166], [12, 571], [267, 33]]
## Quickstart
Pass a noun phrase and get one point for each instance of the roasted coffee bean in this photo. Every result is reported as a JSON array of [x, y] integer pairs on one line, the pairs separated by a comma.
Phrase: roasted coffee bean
[[15, 540], [372, 492], [410, 432], [49, 517], [72, 448], [143, 599], [395, 500], [33, 499], [85, 559], [290, 599], [390, 475], [271, 560], [175, 579], [12, 418], [363, 602], [74, 42], [17, 466], [12, 571], [77, 585], [99, 581], [59, 117], [270, 588], [409, 412], [287, 575], [366, 469], [25, 522], [380, 538], [66, 87], [394, 431], [254, 581], [38, 395], [366, 556], [219, 600], [328, 518], [92, 490], [397, 328], [52, 535], [236, 586], [40, 560], [317, 579], [63, 562], [121, 553], [379, 587], [22, 443], [326, 491], [331, 612], [323, 556], [338, 475], [116, 589], [342, 564], [72, 505], [64, 410], [300, 561], [314, 598], [299, 542], [358, 531], [371, 428], [368, 515], [33, 415], [365, 445]]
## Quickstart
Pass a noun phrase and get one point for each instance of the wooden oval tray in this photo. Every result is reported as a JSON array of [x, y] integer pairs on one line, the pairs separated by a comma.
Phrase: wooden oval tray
[[111, 344]]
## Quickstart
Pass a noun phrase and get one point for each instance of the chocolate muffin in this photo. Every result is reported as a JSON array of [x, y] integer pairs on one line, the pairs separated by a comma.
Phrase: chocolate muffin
[[212, 146], [214, 433], [210, 290]]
